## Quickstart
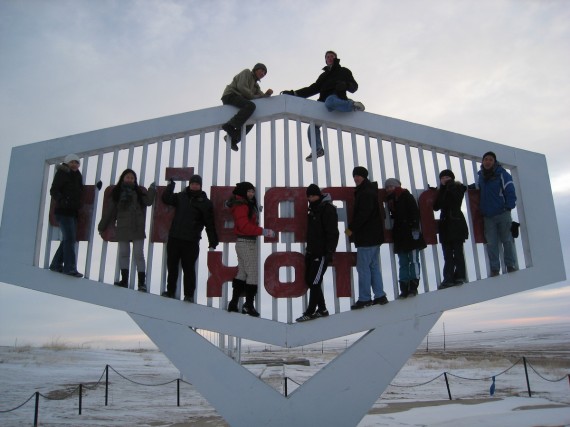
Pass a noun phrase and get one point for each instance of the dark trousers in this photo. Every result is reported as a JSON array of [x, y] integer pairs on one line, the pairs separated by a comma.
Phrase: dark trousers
[[454, 261], [186, 253], [315, 268], [246, 109], [64, 258]]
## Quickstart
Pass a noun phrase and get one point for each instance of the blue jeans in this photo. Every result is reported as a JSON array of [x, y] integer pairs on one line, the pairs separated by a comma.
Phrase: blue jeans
[[498, 230], [334, 103], [318, 142], [409, 265], [65, 258], [368, 268]]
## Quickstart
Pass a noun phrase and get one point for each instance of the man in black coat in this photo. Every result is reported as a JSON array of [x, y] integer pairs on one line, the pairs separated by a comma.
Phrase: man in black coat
[[366, 231], [322, 239], [194, 211], [331, 86]]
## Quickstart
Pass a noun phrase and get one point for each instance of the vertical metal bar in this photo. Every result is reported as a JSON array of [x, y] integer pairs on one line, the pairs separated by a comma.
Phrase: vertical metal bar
[[113, 177], [286, 387], [87, 271], [526, 375], [325, 140], [37, 409], [177, 391], [447, 385], [106, 384], [80, 397]]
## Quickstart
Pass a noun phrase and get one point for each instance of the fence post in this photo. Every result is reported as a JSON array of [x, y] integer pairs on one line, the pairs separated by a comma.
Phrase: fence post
[[80, 396], [447, 384], [106, 384], [285, 386], [526, 374], [178, 391], [37, 409]]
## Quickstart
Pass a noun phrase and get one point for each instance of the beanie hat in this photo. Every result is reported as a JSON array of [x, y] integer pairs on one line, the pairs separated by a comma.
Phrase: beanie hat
[[360, 171], [490, 153], [242, 189], [259, 66], [71, 158], [197, 179], [446, 172], [392, 182], [313, 190]]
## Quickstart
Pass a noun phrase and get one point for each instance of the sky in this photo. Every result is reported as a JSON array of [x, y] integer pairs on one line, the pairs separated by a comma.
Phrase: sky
[[496, 70]]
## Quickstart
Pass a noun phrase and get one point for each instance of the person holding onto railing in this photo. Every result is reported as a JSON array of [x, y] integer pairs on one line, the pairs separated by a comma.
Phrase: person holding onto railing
[[322, 239], [245, 213], [408, 239], [127, 210], [498, 198], [67, 189], [453, 229], [366, 231], [194, 211], [331, 86], [243, 88]]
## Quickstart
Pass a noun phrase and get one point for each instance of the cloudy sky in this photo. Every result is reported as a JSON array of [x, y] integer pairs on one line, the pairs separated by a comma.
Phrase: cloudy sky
[[496, 70]]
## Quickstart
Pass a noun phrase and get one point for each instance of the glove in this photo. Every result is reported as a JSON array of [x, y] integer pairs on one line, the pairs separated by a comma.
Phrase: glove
[[267, 232], [152, 186], [329, 257], [171, 185], [288, 92], [415, 234], [99, 185], [348, 232]]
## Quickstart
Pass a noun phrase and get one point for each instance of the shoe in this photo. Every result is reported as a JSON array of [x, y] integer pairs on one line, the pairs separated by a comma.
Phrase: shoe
[[321, 313], [380, 301], [142, 288], [233, 307], [358, 106], [458, 282], [121, 284], [494, 273], [189, 299], [511, 269], [320, 153], [404, 289], [74, 274], [56, 269], [167, 294], [250, 310], [234, 133], [234, 143], [446, 284], [360, 304], [305, 317]]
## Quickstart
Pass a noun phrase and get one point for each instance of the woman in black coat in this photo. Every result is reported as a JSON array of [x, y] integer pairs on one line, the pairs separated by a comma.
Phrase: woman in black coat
[[453, 229]]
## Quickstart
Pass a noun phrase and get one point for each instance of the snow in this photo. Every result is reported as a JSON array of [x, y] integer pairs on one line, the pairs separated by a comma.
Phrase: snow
[[142, 388]]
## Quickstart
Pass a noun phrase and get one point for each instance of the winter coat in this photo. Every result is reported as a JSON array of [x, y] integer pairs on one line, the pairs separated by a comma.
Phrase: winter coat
[[497, 191], [367, 220], [452, 224], [66, 189], [244, 84], [245, 214], [129, 216], [405, 215], [335, 80], [322, 227], [194, 211]]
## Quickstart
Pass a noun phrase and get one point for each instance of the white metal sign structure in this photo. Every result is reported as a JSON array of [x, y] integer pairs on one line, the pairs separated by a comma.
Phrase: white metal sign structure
[[273, 157]]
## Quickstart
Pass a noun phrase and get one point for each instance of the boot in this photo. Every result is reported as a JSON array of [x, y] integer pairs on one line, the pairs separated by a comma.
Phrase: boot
[[404, 289], [124, 282], [238, 286], [248, 307], [414, 284], [142, 281]]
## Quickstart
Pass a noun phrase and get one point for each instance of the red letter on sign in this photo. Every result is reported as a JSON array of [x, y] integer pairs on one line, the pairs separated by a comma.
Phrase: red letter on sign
[[296, 225], [429, 226], [343, 263], [279, 289], [223, 214], [476, 217], [219, 274]]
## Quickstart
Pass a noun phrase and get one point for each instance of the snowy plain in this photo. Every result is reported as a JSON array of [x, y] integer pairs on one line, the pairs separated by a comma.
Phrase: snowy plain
[[143, 383]]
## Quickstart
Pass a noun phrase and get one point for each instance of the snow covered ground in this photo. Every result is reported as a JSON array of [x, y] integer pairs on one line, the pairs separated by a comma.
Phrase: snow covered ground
[[143, 387]]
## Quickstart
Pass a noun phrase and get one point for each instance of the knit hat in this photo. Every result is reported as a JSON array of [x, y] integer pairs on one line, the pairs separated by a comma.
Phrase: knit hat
[[259, 66], [360, 171], [490, 153], [197, 179], [71, 158], [313, 190], [446, 172], [242, 189], [392, 182]]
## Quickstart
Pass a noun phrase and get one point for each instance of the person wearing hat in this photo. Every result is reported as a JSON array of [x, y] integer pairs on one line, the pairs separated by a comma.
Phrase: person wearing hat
[[243, 88], [127, 210], [322, 239], [194, 212], [331, 86], [408, 239], [366, 231], [66, 190], [245, 213], [453, 229], [498, 198]]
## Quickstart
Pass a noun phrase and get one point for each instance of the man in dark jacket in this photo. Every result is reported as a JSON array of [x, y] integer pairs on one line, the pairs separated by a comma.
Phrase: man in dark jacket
[[331, 86], [194, 211], [408, 239], [366, 231], [453, 229], [322, 239], [66, 189]]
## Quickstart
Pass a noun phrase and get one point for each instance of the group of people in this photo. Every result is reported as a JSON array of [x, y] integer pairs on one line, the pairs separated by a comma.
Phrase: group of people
[[331, 86]]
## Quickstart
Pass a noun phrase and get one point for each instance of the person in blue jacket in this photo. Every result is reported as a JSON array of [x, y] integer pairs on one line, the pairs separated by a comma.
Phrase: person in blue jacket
[[498, 198]]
